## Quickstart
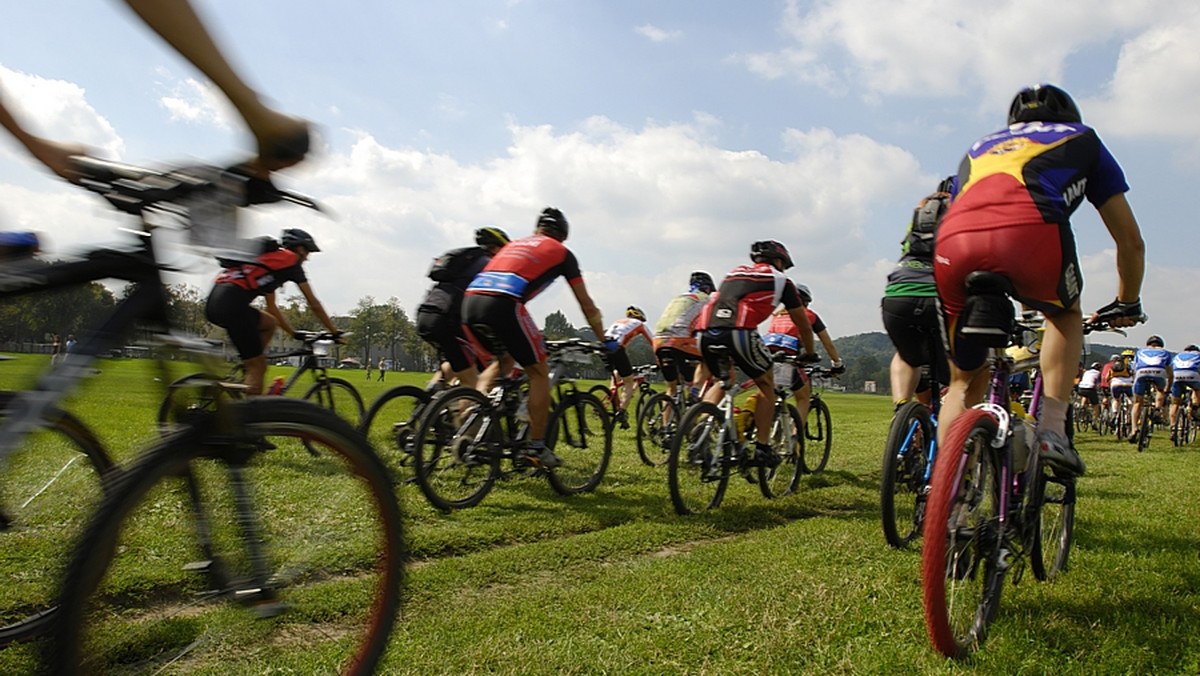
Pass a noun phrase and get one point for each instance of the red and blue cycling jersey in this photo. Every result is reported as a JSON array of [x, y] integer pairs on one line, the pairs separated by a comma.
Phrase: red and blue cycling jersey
[[525, 267], [747, 296], [1033, 172], [782, 333]]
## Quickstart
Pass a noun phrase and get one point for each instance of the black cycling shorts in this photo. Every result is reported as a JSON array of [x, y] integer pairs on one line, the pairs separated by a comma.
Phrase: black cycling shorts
[[619, 361], [673, 363], [445, 332], [745, 347], [912, 324], [229, 307], [501, 325]]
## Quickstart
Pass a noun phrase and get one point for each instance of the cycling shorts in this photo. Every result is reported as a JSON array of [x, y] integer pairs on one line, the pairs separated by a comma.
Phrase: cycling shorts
[[618, 360], [1179, 387], [1121, 390], [445, 332], [501, 325], [1143, 381], [229, 307], [674, 362], [1090, 394], [1038, 258], [745, 347], [912, 324]]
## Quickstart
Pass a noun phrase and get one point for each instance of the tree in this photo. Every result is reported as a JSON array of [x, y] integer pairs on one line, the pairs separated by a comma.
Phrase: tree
[[558, 327]]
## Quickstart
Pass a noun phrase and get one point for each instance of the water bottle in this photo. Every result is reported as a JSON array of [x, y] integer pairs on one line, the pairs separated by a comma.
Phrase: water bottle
[[1024, 435], [523, 411], [276, 386]]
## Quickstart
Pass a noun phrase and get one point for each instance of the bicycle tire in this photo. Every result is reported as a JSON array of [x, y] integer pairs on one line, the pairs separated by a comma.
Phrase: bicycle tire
[[644, 394], [697, 471], [1051, 512], [1143, 429], [605, 394], [818, 437], [1189, 427], [193, 393], [788, 445], [51, 485], [961, 572], [902, 483], [322, 594], [580, 432], [340, 397], [390, 424], [458, 445], [656, 426]]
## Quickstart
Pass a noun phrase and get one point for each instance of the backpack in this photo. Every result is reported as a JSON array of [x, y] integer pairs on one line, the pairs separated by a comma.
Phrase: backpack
[[248, 252], [454, 264], [926, 219]]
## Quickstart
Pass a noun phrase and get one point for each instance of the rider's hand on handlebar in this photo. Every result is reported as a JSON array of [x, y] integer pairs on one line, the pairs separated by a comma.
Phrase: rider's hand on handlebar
[[1119, 314], [837, 368], [810, 358]]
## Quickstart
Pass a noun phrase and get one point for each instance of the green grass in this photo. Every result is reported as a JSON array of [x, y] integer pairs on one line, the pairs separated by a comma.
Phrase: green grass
[[614, 582]]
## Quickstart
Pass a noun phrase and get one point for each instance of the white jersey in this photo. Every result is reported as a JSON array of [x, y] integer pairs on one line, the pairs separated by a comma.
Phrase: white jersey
[[1089, 379]]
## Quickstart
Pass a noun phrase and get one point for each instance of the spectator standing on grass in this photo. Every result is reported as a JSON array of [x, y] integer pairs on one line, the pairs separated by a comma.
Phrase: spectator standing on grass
[[382, 369]]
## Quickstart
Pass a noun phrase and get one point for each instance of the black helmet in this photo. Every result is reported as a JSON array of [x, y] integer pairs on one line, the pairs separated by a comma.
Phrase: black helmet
[[634, 312], [1191, 348], [1155, 340], [701, 281], [297, 237], [553, 220], [490, 235], [1043, 103], [769, 249]]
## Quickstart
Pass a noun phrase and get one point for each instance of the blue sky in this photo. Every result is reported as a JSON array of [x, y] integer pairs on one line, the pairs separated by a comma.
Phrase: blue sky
[[672, 134]]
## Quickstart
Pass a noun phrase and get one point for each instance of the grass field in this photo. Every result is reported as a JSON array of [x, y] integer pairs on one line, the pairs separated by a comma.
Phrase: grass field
[[614, 582]]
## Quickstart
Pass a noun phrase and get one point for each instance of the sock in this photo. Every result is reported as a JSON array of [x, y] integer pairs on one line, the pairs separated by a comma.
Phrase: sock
[[1054, 416]]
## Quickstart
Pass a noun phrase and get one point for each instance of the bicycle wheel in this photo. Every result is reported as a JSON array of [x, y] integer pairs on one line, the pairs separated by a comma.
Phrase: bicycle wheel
[[580, 432], [644, 395], [338, 396], [605, 394], [656, 426], [458, 445], [194, 393], [1121, 426], [294, 561], [1051, 511], [818, 433], [961, 570], [697, 473], [49, 487], [902, 485], [391, 423], [787, 440], [1143, 429], [1189, 427]]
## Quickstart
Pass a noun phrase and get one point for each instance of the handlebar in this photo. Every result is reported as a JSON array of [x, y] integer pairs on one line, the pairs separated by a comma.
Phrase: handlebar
[[796, 359], [310, 337]]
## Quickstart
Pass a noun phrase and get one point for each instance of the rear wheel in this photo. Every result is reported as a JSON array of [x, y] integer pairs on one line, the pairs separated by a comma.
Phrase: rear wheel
[[818, 436], [697, 471], [1143, 428], [787, 441], [902, 486], [580, 432], [458, 447], [1051, 506], [390, 424], [656, 426], [961, 571], [239, 552]]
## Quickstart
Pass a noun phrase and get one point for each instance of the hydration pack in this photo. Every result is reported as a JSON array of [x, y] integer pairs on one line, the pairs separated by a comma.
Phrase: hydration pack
[[925, 221], [454, 264]]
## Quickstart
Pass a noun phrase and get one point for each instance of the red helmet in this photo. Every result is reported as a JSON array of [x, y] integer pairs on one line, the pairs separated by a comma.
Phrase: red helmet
[[768, 250]]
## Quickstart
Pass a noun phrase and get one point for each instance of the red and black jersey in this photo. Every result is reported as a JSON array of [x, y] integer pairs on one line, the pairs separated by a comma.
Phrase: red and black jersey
[[525, 267], [747, 296], [268, 273]]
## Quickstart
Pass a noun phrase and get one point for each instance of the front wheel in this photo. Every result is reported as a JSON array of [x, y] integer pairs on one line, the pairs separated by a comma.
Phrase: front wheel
[[338, 396], [656, 427], [229, 548], [458, 448], [697, 471], [961, 570], [787, 441], [1051, 510], [902, 485], [580, 432], [391, 423], [818, 433]]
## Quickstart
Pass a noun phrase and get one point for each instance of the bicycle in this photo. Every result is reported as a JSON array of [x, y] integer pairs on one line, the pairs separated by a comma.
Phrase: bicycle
[[133, 590], [707, 449], [908, 459], [995, 505], [464, 437], [658, 421], [818, 427], [1183, 432], [1081, 409], [610, 395], [333, 393], [391, 421]]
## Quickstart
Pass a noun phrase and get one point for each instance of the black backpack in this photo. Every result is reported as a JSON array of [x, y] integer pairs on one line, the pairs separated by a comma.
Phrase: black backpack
[[926, 219], [454, 264]]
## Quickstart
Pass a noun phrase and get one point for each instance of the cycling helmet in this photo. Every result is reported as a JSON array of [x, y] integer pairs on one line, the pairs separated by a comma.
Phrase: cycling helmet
[[1191, 348], [701, 281], [297, 237], [634, 312], [490, 235], [553, 220], [1155, 340], [1096, 365], [1115, 357], [768, 250], [805, 294], [1043, 103], [1128, 353]]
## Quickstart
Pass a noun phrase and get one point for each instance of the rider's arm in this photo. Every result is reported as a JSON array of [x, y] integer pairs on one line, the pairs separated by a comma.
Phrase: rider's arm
[[274, 311], [1131, 250], [54, 155], [316, 307], [590, 312], [830, 349]]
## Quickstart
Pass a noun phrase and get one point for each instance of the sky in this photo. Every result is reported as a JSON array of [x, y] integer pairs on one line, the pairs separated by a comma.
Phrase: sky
[[672, 134]]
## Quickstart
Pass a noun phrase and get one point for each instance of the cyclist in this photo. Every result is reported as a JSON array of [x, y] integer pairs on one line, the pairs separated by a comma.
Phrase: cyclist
[[494, 315], [620, 334], [1185, 369], [909, 304], [1010, 214], [1089, 389], [282, 140], [439, 316], [1151, 371], [783, 336], [674, 335], [1121, 382], [747, 296], [250, 330]]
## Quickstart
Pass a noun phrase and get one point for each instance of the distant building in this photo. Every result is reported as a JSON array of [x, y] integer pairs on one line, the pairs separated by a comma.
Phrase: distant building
[[869, 386]]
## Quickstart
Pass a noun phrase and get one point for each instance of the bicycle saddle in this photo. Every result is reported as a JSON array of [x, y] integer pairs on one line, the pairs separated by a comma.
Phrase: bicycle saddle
[[987, 316]]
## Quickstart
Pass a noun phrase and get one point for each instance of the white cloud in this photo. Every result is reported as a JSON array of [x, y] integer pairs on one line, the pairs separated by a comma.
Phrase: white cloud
[[58, 110], [656, 34], [196, 102]]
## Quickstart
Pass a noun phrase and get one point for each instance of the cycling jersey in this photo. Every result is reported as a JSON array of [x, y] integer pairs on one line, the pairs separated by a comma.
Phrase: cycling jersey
[[525, 267], [1186, 366], [624, 330], [269, 272], [677, 323], [747, 296], [783, 335], [1090, 379], [1150, 367]]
